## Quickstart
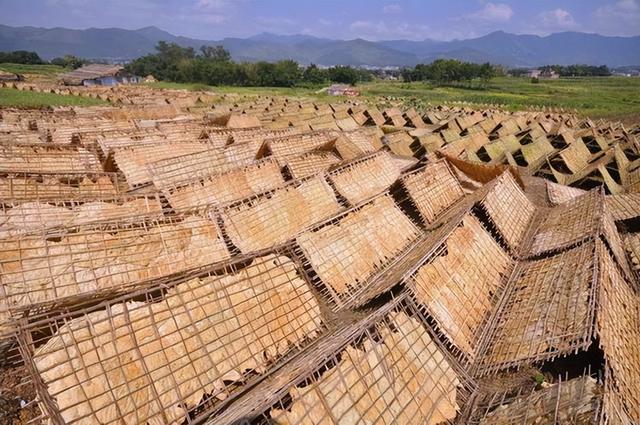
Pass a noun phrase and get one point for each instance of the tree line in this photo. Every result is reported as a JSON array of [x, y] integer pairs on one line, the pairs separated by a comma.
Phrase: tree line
[[21, 57], [579, 70], [448, 71], [24, 57], [213, 65], [568, 70]]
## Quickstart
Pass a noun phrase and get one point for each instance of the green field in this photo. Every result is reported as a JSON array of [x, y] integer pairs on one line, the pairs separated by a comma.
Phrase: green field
[[604, 97], [39, 73], [43, 71], [12, 98]]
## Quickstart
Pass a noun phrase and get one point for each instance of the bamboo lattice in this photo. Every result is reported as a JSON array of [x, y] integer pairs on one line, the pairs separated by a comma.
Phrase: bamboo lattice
[[156, 360]]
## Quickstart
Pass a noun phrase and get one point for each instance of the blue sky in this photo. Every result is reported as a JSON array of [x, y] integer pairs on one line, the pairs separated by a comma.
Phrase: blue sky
[[344, 19]]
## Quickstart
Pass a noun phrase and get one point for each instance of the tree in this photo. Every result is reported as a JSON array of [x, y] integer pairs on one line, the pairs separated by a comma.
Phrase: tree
[[69, 61], [578, 70], [518, 72], [265, 74], [314, 75], [216, 53], [408, 74], [441, 71], [21, 57], [146, 65], [286, 73], [172, 52], [219, 72], [447, 71], [343, 74], [171, 62], [486, 71], [364, 75]]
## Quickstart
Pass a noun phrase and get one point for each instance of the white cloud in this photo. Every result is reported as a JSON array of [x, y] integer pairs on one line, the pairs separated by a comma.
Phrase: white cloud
[[620, 18], [392, 9], [217, 5], [324, 22], [211, 18], [380, 30], [629, 5], [274, 21], [618, 9], [557, 19], [368, 27], [91, 5], [212, 12], [492, 12], [211, 4]]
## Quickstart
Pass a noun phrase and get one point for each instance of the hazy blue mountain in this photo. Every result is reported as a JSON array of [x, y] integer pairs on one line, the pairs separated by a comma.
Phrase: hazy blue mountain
[[497, 47], [91, 43], [286, 39], [419, 48], [530, 50]]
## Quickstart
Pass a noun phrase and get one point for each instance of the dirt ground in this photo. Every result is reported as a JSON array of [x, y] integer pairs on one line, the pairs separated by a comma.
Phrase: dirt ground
[[13, 393]]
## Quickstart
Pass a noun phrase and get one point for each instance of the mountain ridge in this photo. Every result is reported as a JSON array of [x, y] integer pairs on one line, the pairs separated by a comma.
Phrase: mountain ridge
[[513, 50]]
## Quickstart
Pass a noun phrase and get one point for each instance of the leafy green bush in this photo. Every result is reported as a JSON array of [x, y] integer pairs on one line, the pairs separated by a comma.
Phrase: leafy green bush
[[447, 71]]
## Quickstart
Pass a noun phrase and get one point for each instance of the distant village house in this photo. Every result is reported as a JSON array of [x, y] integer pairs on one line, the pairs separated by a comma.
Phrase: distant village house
[[547, 73], [342, 90], [99, 75]]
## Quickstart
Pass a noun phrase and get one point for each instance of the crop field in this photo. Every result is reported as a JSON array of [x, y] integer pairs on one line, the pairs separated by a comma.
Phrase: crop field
[[597, 97]]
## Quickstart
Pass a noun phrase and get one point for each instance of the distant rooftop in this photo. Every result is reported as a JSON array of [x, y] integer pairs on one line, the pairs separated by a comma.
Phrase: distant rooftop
[[90, 72]]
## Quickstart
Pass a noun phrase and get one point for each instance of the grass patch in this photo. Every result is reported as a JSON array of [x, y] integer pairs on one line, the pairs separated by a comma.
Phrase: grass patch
[[42, 70], [12, 98]]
